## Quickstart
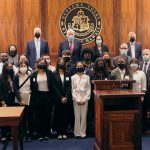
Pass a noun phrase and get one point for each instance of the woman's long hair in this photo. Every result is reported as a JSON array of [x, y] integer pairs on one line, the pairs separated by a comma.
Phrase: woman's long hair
[[5, 74], [57, 63], [27, 64], [95, 68]]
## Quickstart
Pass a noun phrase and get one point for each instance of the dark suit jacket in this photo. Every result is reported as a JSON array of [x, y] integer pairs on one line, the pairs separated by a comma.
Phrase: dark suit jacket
[[104, 48], [148, 81], [138, 50], [50, 82], [31, 51], [76, 52], [63, 88], [141, 65]]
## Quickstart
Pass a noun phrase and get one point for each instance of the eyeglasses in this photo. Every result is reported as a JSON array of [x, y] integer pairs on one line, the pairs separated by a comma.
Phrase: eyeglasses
[[123, 48]]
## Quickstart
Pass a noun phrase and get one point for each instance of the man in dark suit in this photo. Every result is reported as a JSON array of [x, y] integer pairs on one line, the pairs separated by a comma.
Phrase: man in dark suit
[[72, 44], [134, 48], [36, 47], [145, 67]]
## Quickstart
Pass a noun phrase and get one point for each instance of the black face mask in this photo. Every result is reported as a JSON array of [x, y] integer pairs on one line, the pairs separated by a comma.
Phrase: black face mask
[[87, 58], [10, 71], [61, 66], [132, 39], [13, 53], [42, 66], [107, 61], [4, 60], [79, 70], [121, 66], [66, 59], [101, 66], [37, 35]]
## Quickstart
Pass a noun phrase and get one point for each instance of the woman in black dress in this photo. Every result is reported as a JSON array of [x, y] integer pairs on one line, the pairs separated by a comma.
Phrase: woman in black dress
[[99, 48], [6, 93], [63, 84]]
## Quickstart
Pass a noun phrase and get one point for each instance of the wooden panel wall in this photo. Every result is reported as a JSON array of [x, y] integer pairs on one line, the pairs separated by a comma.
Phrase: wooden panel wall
[[19, 17]]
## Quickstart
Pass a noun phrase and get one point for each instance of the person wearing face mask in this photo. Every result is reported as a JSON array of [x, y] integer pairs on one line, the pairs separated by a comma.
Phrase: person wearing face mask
[[122, 72], [63, 84], [100, 71], [145, 63], [134, 48], [42, 91], [71, 44], [22, 78], [145, 67], [36, 47], [4, 58], [70, 66], [47, 58], [123, 53], [99, 48], [23, 58], [81, 92], [7, 95], [138, 75], [13, 55], [86, 57], [108, 61]]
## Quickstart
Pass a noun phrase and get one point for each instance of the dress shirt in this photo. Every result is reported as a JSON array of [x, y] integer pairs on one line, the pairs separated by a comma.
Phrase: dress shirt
[[147, 65], [62, 78], [37, 46], [132, 49], [71, 46]]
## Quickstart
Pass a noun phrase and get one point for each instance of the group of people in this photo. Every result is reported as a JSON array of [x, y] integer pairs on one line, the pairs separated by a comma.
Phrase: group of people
[[66, 89]]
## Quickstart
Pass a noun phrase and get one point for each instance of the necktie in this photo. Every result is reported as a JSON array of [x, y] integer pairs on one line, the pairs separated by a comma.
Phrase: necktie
[[145, 68], [37, 49], [71, 46]]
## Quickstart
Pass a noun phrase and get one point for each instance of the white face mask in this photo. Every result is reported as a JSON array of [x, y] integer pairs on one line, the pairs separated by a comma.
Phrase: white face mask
[[134, 66], [123, 52], [99, 42], [23, 70]]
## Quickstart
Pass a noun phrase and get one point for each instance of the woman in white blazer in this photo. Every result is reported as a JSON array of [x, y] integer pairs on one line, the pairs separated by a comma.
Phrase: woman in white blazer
[[81, 91]]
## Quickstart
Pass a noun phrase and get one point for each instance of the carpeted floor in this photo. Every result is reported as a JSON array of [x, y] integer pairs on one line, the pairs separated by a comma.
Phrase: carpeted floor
[[70, 144]]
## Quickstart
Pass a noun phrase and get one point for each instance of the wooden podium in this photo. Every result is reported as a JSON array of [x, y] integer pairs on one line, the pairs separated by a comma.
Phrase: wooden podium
[[117, 115]]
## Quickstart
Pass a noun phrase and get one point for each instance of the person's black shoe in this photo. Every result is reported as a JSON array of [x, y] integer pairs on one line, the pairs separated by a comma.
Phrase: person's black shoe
[[24, 139], [59, 137], [78, 137], [40, 139], [47, 138], [3, 139], [84, 137], [29, 139]]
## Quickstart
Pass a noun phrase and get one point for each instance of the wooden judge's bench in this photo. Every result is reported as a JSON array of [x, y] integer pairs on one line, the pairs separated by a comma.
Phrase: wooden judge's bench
[[117, 115]]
